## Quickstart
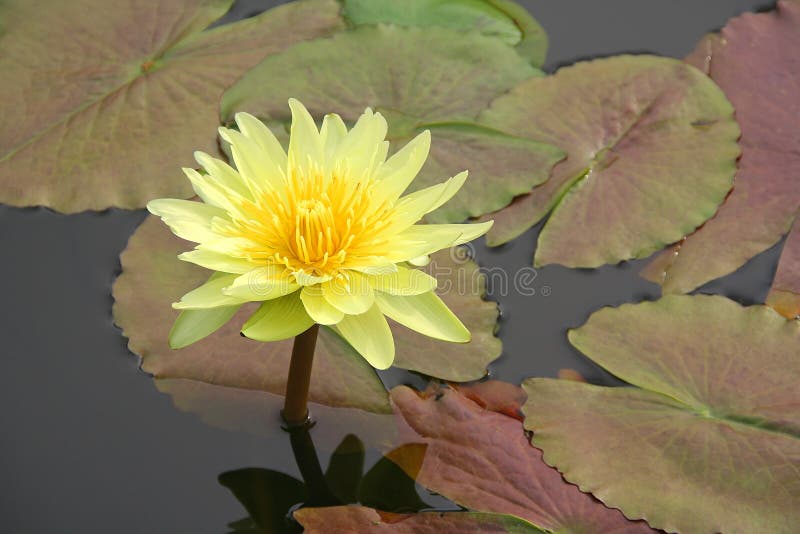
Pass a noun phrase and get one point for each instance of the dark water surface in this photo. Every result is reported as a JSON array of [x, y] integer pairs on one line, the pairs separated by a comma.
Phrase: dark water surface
[[88, 444]]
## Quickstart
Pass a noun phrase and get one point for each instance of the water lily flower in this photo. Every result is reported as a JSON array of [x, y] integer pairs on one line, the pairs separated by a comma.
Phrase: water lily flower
[[321, 235]]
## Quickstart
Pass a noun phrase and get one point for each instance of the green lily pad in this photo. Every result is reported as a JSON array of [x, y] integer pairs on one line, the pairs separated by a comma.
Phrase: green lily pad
[[754, 53], [419, 78], [707, 441], [152, 278], [502, 19], [483, 461], [93, 120], [784, 295], [651, 153], [363, 519]]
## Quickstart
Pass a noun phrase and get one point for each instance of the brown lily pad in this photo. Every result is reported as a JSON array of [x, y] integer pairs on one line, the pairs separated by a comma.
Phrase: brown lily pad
[[483, 461], [103, 110], [367, 520], [784, 295], [651, 153], [754, 60], [709, 439]]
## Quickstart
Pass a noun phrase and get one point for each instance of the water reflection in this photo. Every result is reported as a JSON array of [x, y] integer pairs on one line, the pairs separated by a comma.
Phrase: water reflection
[[270, 496]]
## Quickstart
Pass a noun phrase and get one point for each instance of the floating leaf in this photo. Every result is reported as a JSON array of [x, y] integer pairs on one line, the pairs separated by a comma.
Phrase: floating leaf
[[153, 278], [419, 78], [363, 519], [503, 19], [483, 461], [755, 61], [103, 110], [651, 146], [784, 295], [708, 441]]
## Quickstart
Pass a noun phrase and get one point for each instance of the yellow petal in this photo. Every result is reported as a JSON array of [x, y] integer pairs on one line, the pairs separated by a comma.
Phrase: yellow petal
[[305, 144], [403, 282], [193, 325], [318, 308], [217, 262], [209, 295], [263, 283], [256, 130], [212, 192], [351, 293], [332, 132], [370, 336], [424, 239], [363, 147], [253, 163], [187, 219], [223, 174], [411, 208], [399, 171], [425, 313], [277, 319]]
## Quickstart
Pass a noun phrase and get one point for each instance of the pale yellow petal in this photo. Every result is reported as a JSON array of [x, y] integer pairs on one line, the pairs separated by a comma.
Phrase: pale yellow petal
[[223, 174], [370, 336], [256, 130], [277, 319], [209, 295], [411, 208], [305, 144], [263, 283], [397, 173], [253, 163], [404, 281], [213, 193], [425, 313], [332, 132], [350, 292], [318, 308], [424, 239], [187, 219], [217, 262], [363, 147], [193, 325]]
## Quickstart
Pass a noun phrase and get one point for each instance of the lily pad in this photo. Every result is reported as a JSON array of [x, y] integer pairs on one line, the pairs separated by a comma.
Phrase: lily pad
[[152, 278], [651, 153], [482, 460], [502, 19], [93, 120], [754, 60], [363, 519], [419, 78], [784, 295], [707, 441]]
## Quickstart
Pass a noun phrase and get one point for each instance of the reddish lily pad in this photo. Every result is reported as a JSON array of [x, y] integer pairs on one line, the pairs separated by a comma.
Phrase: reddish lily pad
[[707, 441], [482, 460], [419, 78], [152, 278], [103, 110], [503, 19], [651, 153], [755, 61], [362, 519], [784, 295]]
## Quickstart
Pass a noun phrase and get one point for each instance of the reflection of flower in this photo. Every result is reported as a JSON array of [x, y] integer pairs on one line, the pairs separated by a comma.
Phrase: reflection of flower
[[321, 235]]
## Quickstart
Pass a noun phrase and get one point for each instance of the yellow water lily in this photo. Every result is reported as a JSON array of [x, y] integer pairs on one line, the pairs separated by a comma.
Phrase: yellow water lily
[[322, 234]]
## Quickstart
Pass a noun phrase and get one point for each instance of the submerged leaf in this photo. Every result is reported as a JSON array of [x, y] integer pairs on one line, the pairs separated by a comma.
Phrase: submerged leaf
[[482, 460], [153, 278], [103, 110], [755, 61], [708, 441], [368, 520], [419, 78], [651, 146], [503, 19], [784, 295]]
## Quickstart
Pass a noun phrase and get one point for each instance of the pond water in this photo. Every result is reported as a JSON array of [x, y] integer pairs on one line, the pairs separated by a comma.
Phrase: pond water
[[90, 445]]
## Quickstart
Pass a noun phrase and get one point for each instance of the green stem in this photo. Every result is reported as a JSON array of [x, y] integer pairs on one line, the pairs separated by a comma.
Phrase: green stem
[[295, 407]]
